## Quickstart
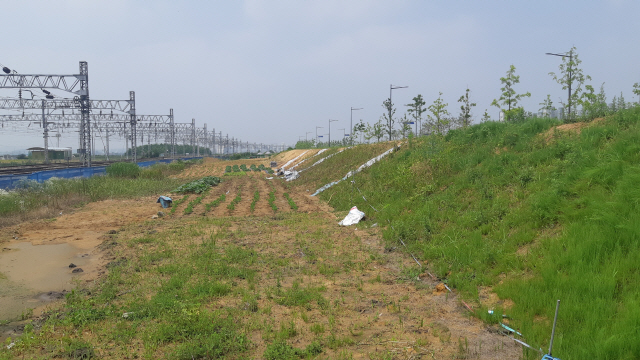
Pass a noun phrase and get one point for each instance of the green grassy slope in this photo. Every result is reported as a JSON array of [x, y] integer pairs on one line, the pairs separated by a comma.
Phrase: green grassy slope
[[537, 216]]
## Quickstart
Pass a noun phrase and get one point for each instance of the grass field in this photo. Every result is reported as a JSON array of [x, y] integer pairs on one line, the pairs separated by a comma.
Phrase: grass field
[[533, 213]]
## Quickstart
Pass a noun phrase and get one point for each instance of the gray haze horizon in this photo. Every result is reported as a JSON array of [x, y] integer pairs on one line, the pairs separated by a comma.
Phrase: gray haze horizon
[[272, 71]]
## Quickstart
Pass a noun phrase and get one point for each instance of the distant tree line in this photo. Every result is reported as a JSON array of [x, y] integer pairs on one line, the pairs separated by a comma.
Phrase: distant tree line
[[435, 118], [156, 150]]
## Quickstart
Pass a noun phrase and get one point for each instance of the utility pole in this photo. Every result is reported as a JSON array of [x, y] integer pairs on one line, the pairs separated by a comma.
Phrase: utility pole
[[317, 127], [126, 141], [193, 135], [569, 76], [391, 88], [173, 134], [46, 134], [107, 133], [133, 121], [330, 121], [351, 123]]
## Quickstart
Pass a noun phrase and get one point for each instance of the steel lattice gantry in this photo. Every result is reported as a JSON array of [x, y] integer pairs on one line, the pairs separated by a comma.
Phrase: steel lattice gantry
[[76, 83], [105, 121], [124, 106]]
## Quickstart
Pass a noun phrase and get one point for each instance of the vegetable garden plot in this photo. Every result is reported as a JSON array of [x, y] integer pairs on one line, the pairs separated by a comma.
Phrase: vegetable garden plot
[[198, 186]]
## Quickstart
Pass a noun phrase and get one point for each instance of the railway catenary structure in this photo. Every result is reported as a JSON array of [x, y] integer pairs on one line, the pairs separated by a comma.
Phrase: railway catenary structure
[[152, 128], [125, 123]]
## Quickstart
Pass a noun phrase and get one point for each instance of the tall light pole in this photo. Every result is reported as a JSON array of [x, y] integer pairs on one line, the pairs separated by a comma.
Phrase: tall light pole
[[330, 121], [351, 123], [317, 127], [391, 88], [307, 135], [570, 56]]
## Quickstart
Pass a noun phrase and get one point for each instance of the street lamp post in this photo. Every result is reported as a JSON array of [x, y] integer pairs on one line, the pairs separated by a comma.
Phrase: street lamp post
[[330, 121], [351, 123], [391, 87], [570, 56], [317, 127]]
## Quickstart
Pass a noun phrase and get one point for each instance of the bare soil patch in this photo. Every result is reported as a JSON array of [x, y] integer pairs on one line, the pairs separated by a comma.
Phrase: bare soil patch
[[573, 128]]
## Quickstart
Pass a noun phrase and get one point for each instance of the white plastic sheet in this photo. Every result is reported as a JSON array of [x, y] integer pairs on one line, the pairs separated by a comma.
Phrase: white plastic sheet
[[284, 167], [291, 175], [353, 217], [351, 173]]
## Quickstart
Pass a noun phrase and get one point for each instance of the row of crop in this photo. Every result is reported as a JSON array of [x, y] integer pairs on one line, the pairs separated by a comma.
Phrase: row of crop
[[215, 202], [256, 198], [236, 200], [292, 203], [272, 198], [178, 202], [229, 169], [189, 209]]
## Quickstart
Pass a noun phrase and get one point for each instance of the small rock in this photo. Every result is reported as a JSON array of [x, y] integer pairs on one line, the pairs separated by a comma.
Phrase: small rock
[[77, 270], [160, 214], [152, 232], [111, 232], [154, 217], [72, 265]]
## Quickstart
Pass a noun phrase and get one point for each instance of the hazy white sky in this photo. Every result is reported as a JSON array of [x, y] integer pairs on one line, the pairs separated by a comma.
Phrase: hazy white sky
[[270, 71]]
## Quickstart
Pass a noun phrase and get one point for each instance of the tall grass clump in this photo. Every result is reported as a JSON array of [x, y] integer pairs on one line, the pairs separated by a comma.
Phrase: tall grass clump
[[123, 170], [124, 180], [537, 213]]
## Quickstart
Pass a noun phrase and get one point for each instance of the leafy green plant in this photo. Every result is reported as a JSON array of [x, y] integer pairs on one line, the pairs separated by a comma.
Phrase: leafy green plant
[[228, 169], [198, 186], [438, 120], [509, 99], [571, 77]]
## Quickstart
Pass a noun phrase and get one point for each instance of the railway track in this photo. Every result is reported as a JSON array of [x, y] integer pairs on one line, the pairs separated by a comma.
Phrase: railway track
[[29, 169]]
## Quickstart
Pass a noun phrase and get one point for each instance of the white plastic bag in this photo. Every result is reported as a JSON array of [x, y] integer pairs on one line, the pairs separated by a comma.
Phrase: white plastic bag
[[353, 217]]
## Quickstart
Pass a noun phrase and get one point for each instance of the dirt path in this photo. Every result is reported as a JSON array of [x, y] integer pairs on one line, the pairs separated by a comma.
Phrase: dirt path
[[383, 308]]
